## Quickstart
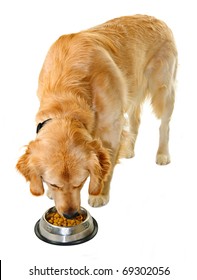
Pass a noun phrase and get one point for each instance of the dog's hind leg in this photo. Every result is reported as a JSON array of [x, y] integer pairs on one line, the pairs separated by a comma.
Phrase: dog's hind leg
[[163, 156], [162, 91], [129, 133]]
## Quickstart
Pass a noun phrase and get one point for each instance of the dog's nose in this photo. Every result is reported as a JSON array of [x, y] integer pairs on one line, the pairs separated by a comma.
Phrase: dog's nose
[[70, 215]]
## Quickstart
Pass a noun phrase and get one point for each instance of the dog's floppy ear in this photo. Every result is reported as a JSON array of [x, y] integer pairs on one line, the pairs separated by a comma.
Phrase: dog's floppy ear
[[99, 167], [27, 167]]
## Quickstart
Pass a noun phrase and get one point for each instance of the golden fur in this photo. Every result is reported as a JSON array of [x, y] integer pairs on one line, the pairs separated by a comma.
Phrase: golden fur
[[87, 84]]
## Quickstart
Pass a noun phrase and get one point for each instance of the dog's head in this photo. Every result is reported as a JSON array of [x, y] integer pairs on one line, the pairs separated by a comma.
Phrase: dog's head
[[64, 156]]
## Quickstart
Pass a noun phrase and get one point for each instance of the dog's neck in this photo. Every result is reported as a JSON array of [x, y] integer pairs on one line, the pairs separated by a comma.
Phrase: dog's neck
[[74, 108]]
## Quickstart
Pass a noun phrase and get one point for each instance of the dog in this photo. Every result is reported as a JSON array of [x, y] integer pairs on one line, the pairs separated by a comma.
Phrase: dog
[[91, 89]]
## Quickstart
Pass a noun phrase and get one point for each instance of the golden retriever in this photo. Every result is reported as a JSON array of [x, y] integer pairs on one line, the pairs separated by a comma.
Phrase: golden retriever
[[90, 85]]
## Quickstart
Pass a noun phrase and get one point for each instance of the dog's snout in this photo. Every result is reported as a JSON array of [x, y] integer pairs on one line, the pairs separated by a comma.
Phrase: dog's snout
[[70, 215]]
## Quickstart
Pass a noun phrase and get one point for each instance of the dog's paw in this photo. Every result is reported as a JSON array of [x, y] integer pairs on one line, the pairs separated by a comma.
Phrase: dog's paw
[[162, 159], [126, 153], [98, 200]]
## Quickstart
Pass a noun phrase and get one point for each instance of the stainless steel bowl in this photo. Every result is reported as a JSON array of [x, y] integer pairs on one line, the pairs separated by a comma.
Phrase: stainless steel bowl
[[72, 235]]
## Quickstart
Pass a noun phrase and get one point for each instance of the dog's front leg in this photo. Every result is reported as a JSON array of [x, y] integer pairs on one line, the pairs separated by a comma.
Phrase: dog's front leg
[[111, 141], [103, 198]]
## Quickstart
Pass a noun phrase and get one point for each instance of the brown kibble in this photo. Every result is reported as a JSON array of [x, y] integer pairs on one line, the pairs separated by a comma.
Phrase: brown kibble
[[56, 219]]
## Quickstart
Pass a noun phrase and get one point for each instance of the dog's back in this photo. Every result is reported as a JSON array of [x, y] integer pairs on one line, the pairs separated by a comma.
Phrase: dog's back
[[131, 42]]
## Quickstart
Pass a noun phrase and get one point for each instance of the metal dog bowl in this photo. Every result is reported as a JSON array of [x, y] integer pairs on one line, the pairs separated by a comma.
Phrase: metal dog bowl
[[71, 235]]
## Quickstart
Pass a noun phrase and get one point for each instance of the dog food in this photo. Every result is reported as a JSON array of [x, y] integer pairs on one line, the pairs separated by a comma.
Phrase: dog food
[[56, 219]]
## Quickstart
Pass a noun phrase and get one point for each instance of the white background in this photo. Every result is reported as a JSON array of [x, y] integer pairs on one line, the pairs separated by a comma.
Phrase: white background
[[151, 217]]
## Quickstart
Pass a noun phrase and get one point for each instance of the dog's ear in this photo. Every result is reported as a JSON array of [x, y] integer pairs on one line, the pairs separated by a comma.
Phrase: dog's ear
[[27, 167], [99, 166]]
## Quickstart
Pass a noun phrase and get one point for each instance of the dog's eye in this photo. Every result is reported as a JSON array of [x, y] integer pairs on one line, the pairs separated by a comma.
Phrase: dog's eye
[[55, 186], [76, 187]]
